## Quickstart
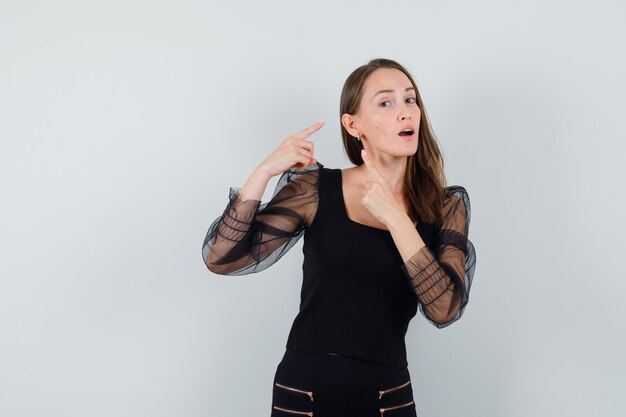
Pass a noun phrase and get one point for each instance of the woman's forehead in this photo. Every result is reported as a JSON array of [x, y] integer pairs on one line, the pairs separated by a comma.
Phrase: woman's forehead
[[386, 79]]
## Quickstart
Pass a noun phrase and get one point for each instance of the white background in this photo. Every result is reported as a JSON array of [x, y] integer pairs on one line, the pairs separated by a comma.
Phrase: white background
[[124, 123]]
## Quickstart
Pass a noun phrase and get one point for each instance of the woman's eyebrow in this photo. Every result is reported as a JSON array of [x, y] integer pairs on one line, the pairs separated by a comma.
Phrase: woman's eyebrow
[[391, 91]]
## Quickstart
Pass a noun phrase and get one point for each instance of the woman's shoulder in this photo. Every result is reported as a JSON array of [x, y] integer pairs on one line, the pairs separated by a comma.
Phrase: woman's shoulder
[[456, 190], [316, 166], [313, 170], [455, 194], [317, 170], [457, 203]]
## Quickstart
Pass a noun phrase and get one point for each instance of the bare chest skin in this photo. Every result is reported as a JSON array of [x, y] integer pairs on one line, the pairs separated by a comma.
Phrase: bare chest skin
[[352, 189]]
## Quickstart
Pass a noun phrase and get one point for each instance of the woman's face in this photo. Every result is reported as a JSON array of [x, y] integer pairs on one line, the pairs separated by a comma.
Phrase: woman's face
[[388, 106]]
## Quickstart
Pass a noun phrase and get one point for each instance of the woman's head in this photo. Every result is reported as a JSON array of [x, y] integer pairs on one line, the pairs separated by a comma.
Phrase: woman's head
[[377, 104], [378, 119]]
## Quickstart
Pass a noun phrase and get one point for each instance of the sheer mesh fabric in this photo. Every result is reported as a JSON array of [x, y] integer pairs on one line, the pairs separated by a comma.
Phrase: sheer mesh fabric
[[441, 278], [249, 236]]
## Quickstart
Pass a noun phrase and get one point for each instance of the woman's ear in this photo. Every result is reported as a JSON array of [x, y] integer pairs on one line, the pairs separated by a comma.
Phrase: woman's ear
[[348, 121]]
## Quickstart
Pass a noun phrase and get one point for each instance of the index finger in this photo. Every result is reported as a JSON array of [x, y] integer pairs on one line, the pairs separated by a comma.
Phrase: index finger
[[309, 130], [371, 165]]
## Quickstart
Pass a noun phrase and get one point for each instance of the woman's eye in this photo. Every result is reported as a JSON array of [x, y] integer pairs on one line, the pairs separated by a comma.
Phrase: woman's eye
[[386, 101], [411, 98]]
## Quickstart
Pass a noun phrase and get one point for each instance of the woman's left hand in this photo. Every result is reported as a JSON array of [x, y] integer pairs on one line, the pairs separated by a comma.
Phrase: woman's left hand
[[378, 197]]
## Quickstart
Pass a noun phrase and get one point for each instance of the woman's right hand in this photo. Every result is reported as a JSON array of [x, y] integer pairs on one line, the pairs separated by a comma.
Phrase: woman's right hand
[[294, 150]]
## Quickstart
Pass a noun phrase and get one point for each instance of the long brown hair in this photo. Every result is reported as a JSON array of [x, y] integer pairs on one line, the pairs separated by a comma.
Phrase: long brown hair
[[424, 178]]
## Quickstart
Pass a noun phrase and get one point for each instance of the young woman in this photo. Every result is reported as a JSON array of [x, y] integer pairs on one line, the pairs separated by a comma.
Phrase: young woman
[[381, 240]]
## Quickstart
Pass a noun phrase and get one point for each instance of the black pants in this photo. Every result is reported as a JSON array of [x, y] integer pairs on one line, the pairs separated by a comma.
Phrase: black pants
[[327, 385]]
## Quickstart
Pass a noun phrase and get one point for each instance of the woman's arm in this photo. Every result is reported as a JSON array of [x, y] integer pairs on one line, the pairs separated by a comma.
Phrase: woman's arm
[[256, 184], [235, 222], [249, 236], [441, 278]]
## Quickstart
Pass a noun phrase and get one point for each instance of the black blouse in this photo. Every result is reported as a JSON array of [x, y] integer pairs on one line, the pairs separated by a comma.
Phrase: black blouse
[[357, 296]]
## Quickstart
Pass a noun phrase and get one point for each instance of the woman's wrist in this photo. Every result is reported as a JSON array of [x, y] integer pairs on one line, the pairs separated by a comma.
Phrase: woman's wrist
[[254, 187], [398, 220], [262, 172]]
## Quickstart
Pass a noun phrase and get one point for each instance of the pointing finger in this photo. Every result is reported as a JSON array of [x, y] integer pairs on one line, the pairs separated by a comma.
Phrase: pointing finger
[[371, 166], [309, 130]]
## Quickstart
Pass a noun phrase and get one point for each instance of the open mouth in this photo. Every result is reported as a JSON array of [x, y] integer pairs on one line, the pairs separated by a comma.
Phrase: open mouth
[[406, 132]]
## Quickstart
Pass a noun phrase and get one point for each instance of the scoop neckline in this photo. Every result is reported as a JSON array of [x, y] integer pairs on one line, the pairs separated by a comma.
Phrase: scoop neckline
[[345, 209]]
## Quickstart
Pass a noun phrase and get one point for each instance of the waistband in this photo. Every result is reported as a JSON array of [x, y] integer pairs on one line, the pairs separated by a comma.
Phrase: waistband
[[340, 368]]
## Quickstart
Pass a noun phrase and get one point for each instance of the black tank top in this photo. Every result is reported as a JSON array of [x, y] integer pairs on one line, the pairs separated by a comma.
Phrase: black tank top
[[355, 299]]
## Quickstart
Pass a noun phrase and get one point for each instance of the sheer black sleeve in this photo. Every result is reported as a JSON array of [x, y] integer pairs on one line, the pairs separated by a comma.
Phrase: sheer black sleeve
[[441, 278], [249, 236]]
